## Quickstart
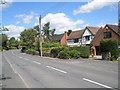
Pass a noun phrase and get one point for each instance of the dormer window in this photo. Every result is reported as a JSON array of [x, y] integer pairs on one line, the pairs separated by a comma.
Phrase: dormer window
[[107, 34]]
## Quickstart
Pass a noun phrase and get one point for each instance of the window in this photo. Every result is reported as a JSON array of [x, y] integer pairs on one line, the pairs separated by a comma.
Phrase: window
[[107, 35], [87, 38], [76, 40]]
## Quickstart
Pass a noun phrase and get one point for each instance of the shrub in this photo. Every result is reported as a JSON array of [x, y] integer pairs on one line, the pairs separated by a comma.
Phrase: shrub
[[74, 54], [110, 46], [84, 51], [55, 51], [64, 54]]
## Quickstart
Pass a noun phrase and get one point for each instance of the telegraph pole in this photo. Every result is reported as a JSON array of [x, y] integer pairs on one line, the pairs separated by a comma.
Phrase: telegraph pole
[[40, 35]]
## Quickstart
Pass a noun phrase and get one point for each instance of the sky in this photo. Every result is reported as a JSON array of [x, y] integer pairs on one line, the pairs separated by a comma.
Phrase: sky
[[17, 16]]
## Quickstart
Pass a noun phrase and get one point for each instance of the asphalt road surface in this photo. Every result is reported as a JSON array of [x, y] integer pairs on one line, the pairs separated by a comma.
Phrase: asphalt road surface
[[26, 71]]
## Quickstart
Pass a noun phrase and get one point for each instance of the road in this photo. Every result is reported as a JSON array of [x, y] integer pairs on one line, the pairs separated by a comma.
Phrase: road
[[27, 71]]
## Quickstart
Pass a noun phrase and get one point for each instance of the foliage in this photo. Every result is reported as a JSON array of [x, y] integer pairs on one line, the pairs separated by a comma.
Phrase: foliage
[[110, 46], [55, 51], [13, 43], [47, 33], [51, 44], [84, 51], [27, 37], [64, 54], [67, 54], [69, 32], [74, 54], [3, 40]]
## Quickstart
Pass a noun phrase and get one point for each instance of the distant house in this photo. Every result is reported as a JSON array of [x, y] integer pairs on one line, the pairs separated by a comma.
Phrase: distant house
[[60, 38], [74, 38], [109, 32], [89, 34], [82, 37]]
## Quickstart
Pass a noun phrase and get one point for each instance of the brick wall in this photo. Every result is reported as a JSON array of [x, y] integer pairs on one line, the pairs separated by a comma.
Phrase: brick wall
[[64, 39]]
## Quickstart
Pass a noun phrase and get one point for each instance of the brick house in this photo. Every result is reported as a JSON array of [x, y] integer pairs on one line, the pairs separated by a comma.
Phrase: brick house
[[109, 32], [60, 38]]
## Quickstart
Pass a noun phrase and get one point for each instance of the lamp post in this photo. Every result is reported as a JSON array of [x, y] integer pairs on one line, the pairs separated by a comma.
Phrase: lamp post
[[40, 35]]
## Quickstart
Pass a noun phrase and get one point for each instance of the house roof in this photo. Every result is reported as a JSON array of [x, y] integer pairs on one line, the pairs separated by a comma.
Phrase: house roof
[[115, 28], [93, 30], [57, 37], [76, 34]]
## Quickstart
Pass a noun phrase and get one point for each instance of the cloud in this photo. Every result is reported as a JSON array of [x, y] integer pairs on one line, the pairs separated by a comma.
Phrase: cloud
[[18, 22], [94, 5], [60, 22], [27, 19], [14, 31]]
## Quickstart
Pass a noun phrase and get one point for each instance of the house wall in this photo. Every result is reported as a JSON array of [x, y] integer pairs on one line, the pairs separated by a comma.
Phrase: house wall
[[96, 43], [64, 39], [101, 37], [87, 33], [71, 42]]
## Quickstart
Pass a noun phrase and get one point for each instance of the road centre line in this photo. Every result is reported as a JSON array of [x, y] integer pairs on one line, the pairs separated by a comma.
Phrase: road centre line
[[56, 69], [26, 59], [17, 73], [36, 62], [97, 83]]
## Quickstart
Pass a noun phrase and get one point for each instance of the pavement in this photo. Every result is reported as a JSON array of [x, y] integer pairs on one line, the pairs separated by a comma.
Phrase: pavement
[[27, 71]]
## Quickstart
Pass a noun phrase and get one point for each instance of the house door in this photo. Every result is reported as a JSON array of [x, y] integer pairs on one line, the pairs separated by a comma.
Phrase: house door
[[98, 51]]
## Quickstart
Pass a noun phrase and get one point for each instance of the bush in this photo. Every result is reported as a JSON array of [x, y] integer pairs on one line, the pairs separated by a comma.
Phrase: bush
[[74, 54], [64, 54], [55, 51], [110, 46], [50, 45], [84, 51]]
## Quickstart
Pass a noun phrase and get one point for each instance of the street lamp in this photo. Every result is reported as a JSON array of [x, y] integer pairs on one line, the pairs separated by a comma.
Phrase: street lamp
[[40, 35]]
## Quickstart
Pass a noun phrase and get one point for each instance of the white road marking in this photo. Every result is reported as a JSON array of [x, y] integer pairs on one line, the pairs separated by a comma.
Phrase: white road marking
[[36, 62], [26, 59], [56, 69], [17, 73], [97, 83], [20, 57]]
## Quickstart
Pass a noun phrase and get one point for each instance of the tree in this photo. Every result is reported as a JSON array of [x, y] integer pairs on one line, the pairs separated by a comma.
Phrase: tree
[[27, 37], [47, 32], [13, 42], [69, 32], [3, 40]]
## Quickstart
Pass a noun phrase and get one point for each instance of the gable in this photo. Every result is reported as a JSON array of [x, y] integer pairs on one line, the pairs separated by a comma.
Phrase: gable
[[87, 32]]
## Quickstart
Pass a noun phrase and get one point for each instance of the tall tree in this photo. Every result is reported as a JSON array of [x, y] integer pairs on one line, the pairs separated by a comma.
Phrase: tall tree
[[47, 32], [27, 37]]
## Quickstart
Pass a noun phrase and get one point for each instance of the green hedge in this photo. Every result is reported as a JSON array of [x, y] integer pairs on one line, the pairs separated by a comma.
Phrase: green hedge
[[84, 51], [110, 46], [69, 54], [55, 51]]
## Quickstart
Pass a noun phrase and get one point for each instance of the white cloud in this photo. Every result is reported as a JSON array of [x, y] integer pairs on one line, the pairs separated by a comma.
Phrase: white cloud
[[27, 19], [18, 22], [94, 5], [85, 25], [14, 31], [60, 22]]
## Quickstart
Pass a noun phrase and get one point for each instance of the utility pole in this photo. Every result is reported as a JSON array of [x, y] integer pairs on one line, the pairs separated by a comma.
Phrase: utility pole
[[40, 35]]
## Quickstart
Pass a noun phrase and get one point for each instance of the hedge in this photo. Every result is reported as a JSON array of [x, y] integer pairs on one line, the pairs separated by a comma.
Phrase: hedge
[[84, 50], [110, 46]]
